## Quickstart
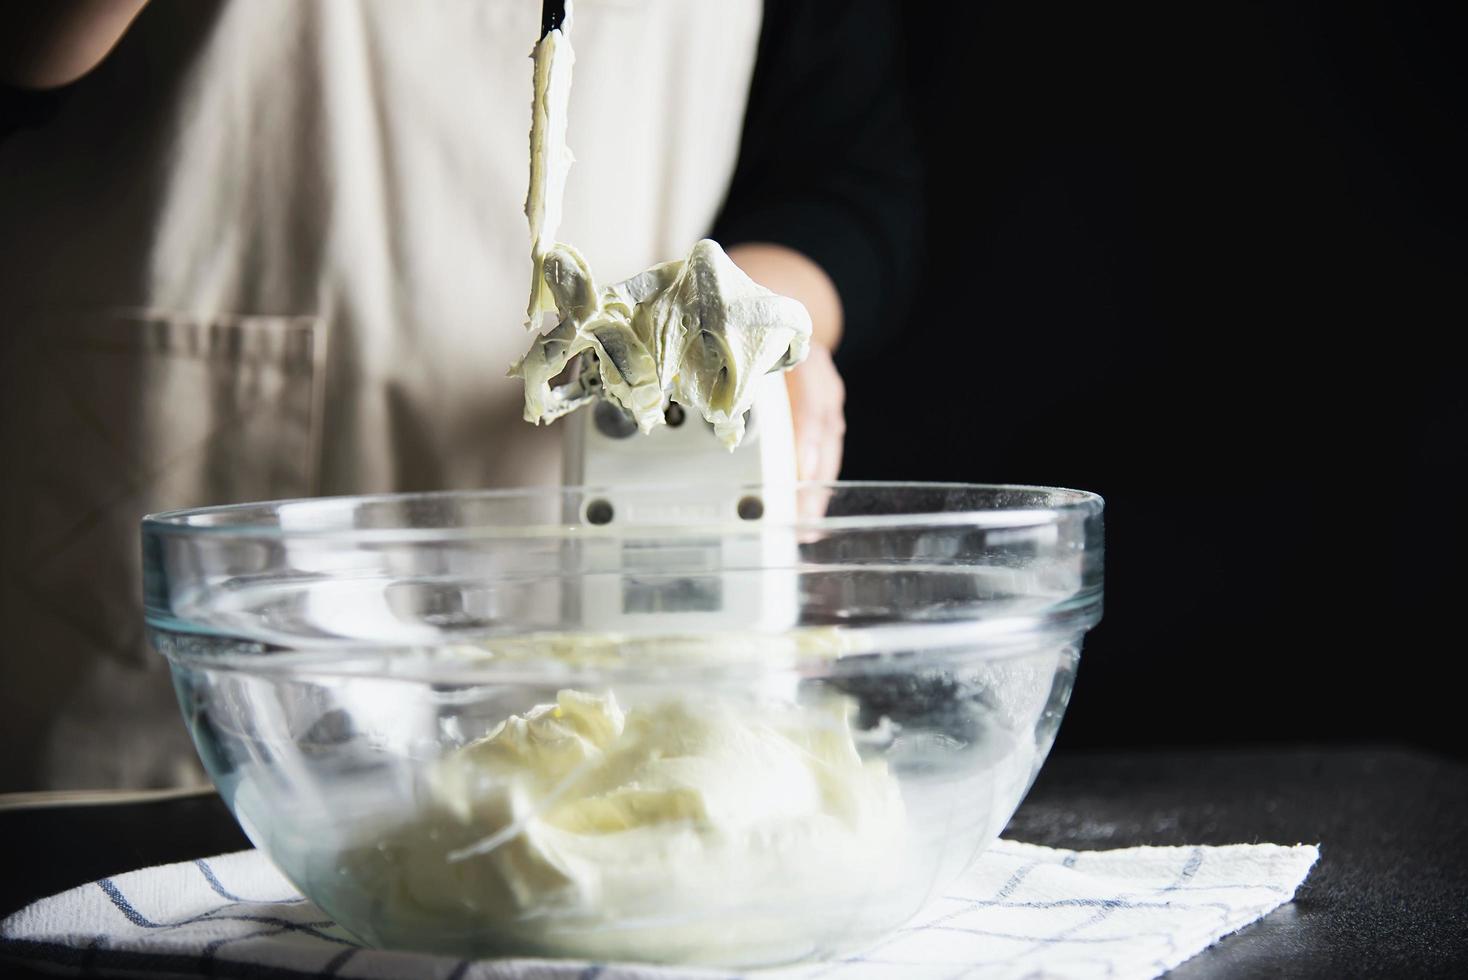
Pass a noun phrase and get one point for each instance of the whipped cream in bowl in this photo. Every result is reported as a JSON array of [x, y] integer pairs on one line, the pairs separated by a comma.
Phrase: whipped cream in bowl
[[580, 829]]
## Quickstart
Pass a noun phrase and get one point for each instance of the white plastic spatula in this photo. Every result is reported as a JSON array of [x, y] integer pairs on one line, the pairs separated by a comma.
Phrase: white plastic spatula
[[719, 552], [755, 480], [725, 552], [552, 15]]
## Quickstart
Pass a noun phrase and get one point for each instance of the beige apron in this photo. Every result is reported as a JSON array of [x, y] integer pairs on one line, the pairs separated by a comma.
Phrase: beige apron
[[275, 248]]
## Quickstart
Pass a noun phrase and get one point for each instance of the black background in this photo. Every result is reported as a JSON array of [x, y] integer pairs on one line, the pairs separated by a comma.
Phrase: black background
[[1207, 259]]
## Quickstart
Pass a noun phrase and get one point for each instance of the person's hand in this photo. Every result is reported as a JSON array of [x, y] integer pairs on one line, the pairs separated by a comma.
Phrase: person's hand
[[818, 408], [817, 393]]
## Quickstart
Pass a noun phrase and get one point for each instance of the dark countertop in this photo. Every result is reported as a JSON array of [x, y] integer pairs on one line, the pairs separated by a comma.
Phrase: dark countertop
[[1388, 898]]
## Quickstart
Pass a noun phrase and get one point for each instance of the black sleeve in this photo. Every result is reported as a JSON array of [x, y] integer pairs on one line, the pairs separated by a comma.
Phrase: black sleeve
[[827, 163], [25, 108]]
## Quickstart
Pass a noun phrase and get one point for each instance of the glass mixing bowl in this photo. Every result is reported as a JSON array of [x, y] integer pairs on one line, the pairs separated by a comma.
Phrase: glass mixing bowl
[[538, 722]]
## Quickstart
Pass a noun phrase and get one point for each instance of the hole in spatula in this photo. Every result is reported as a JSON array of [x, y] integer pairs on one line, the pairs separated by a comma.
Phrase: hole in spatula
[[751, 508]]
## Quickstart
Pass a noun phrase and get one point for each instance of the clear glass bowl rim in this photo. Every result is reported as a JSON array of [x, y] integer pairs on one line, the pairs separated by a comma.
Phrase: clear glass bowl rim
[[1051, 505]]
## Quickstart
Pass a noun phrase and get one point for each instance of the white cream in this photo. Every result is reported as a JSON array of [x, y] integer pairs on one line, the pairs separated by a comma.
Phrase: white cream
[[550, 157], [699, 332], [696, 331], [675, 830]]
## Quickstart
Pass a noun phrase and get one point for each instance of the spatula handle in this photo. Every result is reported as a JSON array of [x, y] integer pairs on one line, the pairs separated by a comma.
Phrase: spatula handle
[[552, 15]]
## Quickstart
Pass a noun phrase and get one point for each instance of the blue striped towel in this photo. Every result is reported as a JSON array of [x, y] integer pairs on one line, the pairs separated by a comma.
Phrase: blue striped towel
[[1021, 911]]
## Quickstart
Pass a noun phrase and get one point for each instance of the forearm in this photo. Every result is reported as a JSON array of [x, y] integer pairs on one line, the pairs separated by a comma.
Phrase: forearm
[[790, 273], [49, 43], [817, 394]]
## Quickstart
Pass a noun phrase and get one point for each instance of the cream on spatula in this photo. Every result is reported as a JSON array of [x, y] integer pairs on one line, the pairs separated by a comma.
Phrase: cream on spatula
[[697, 330]]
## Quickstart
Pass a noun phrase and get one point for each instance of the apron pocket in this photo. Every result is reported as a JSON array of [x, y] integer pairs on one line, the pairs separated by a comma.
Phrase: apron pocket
[[115, 416]]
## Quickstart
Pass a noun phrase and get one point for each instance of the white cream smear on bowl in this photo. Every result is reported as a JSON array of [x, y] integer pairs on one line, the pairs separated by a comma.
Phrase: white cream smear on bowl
[[697, 330]]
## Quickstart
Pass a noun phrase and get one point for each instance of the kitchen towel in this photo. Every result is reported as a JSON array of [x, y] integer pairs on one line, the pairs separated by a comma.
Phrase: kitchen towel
[[1020, 911]]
